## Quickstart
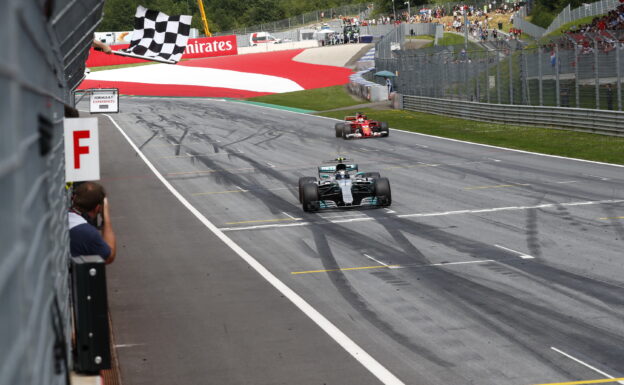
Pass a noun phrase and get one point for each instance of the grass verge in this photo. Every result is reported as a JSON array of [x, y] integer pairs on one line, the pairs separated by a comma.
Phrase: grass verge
[[319, 99], [547, 141]]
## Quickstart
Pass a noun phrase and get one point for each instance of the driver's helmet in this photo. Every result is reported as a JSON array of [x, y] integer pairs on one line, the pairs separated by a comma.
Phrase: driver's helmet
[[361, 119]]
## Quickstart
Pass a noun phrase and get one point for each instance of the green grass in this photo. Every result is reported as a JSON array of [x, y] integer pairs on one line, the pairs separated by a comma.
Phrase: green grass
[[548, 141], [421, 37], [319, 99]]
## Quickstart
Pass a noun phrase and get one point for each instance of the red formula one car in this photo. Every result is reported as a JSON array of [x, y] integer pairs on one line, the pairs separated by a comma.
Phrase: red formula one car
[[360, 126]]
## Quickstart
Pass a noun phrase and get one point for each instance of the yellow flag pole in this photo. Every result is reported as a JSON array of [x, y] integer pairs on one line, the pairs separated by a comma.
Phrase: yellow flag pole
[[203, 16]]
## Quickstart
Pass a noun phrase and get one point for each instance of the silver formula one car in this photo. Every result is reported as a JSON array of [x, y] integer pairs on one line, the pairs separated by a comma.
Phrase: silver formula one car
[[341, 185]]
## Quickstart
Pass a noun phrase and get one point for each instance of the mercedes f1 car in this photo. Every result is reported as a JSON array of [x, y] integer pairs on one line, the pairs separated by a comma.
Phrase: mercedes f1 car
[[360, 126], [341, 185]]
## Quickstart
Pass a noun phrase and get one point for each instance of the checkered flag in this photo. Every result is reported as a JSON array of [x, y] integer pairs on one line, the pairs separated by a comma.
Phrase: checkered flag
[[157, 36]]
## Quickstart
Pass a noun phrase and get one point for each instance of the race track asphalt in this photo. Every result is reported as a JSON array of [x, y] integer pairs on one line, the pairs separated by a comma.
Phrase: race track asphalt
[[491, 267]]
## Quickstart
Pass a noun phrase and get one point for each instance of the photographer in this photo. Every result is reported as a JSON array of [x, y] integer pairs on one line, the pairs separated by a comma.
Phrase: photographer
[[88, 203]]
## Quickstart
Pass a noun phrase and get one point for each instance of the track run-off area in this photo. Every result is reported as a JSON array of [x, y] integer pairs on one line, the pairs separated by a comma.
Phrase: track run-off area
[[491, 267]]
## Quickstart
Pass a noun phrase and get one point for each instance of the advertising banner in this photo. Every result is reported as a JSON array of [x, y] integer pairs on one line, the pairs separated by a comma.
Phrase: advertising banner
[[196, 48], [82, 150], [104, 100]]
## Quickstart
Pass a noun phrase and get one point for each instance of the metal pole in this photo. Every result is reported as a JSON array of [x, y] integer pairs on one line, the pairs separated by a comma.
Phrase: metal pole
[[526, 80], [618, 50], [539, 76], [577, 88], [487, 74], [511, 88], [465, 28], [498, 85], [596, 79], [557, 90], [393, 10]]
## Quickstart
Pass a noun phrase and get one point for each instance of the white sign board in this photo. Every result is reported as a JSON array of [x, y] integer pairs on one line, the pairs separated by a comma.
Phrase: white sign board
[[104, 100], [82, 150]]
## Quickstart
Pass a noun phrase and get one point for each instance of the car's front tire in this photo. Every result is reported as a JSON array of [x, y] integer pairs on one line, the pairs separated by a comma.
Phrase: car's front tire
[[339, 128], [302, 181], [310, 198], [383, 193]]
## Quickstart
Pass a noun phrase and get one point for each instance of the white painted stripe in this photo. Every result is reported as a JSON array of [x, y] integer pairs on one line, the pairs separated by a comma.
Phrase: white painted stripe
[[372, 365], [459, 141], [461, 263], [197, 76], [511, 208], [584, 364], [421, 215], [290, 216], [373, 259], [521, 255]]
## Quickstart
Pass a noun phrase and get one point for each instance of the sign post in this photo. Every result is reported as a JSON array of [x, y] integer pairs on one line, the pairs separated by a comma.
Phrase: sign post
[[82, 150], [104, 100]]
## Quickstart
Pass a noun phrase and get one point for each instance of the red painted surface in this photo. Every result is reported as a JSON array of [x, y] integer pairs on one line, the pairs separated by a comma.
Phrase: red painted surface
[[196, 48], [280, 64]]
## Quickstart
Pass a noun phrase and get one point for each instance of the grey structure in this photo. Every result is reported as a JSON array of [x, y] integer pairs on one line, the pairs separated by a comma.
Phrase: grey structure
[[45, 44]]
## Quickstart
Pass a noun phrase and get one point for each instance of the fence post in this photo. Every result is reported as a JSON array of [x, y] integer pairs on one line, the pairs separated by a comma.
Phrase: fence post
[[498, 85], [577, 88], [618, 50], [511, 88], [487, 74], [557, 89], [596, 78], [539, 76], [526, 80]]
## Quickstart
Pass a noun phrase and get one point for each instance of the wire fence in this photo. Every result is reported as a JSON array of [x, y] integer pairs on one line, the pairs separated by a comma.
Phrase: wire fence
[[566, 16], [570, 73], [569, 15]]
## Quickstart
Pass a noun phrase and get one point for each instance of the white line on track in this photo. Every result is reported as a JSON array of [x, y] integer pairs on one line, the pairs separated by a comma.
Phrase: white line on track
[[521, 255], [372, 365], [290, 216], [584, 364], [461, 263], [424, 215], [376, 260]]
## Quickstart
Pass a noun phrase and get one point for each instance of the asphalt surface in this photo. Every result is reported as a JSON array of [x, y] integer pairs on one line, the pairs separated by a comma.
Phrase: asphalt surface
[[491, 266]]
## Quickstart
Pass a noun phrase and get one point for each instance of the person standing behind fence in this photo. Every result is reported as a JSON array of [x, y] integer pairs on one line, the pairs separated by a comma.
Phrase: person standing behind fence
[[609, 96], [88, 202]]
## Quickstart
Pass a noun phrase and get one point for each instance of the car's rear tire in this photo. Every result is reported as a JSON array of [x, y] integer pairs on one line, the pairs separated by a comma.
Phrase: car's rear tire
[[383, 193], [339, 127], [303, 180], [372, 175], [310, 197]]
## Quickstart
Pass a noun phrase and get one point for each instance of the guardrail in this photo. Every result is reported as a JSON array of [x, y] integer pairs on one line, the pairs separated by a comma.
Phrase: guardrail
[[575, 119]]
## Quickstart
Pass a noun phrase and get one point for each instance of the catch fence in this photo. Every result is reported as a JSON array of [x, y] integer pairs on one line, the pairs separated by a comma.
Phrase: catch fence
[[577, 71]]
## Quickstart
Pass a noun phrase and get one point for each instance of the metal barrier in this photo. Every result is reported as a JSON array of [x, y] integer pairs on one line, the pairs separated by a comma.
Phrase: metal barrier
[[44, 49], [577, 119]]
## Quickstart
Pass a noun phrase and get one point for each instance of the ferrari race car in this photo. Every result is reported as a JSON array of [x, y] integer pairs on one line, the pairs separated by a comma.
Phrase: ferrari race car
[[360, 126], [341, 185]]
